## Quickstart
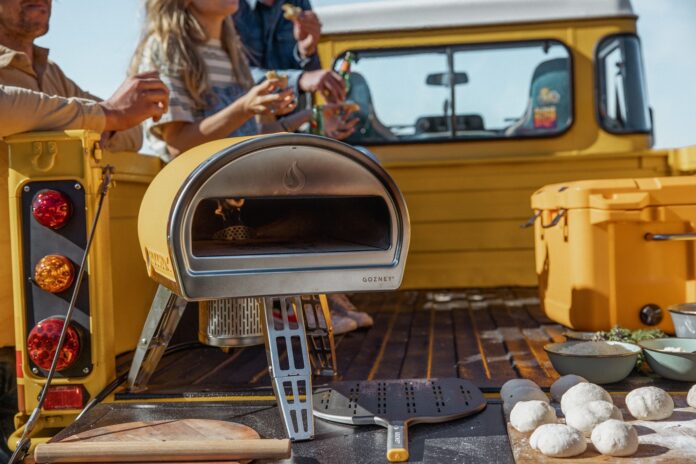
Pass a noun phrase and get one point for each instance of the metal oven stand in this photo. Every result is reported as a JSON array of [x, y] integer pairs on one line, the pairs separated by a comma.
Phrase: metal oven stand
[[286, 339]]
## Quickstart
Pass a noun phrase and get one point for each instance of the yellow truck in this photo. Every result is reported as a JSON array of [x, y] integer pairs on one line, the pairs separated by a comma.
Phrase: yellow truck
[[470, 108]]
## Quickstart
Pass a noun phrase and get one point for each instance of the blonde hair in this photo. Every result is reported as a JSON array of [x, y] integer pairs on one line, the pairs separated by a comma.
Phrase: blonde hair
[[176, 28]]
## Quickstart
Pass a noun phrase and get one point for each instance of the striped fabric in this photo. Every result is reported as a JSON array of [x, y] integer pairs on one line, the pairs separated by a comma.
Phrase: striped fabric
[[224, 90]]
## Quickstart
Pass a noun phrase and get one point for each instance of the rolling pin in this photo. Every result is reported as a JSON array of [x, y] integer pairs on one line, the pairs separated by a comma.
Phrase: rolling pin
[[159, 451]]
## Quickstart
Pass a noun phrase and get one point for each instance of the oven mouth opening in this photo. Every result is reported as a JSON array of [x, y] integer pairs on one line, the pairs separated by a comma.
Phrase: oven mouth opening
[[290, 225]]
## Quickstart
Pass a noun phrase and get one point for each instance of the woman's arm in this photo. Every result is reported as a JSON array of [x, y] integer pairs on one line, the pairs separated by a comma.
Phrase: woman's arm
[[180, 136]]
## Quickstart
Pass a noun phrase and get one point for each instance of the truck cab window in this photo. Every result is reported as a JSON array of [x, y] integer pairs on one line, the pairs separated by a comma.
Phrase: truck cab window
[[509, 90], [622, 98]]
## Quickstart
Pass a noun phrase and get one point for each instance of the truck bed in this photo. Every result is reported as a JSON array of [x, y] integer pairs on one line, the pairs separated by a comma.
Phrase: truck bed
[[487, 336]]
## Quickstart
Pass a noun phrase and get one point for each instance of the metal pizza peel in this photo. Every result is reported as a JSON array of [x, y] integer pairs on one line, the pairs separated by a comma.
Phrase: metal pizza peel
[[396, 404]]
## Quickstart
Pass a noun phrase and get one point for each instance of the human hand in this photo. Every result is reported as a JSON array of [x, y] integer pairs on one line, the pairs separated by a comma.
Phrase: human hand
[[337, 124], [139, 97], [326, 82], [260, 99], [307, 30]]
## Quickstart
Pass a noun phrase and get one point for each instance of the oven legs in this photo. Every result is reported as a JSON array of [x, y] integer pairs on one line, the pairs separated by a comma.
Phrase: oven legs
[[286, 338], [289, 365], [162, 319]]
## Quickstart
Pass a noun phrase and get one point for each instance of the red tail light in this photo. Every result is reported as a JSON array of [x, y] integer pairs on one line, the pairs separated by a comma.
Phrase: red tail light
[[65, 397], [54, 273], [51, 208], [43, 341]]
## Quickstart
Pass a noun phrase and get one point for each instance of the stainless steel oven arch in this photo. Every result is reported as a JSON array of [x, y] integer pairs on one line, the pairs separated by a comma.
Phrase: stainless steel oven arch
[[265, 167]]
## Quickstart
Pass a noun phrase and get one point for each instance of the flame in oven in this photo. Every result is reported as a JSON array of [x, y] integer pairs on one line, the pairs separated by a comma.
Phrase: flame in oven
[[294, 179]]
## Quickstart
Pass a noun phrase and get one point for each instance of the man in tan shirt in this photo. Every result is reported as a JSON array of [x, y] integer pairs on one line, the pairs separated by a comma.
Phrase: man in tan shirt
[[25, 65]]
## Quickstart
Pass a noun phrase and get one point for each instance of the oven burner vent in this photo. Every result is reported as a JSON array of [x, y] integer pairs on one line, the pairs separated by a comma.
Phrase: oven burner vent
[[230, 322]]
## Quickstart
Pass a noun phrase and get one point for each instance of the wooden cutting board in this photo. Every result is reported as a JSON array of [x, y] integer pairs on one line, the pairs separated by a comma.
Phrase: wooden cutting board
[[669, 441], [198, 430]]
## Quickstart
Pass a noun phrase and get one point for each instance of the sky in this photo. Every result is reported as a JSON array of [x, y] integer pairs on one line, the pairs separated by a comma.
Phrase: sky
[[93, 40]]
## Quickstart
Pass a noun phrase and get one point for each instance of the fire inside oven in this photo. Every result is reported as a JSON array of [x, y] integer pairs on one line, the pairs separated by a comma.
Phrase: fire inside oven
[[262, 226]]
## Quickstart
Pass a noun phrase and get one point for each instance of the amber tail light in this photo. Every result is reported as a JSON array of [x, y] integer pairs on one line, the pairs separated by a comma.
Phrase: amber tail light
[[43, 341], [54, 273]]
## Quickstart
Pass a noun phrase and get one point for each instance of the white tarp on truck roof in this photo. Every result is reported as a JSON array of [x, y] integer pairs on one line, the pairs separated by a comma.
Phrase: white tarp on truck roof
[[390, 15]]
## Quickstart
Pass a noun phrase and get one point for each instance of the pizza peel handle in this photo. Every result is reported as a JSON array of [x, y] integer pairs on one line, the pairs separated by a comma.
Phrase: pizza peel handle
[[397, 442]]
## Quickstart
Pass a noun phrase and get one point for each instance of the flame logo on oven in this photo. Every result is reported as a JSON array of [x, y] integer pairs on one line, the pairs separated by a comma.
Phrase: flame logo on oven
[[294, 179]]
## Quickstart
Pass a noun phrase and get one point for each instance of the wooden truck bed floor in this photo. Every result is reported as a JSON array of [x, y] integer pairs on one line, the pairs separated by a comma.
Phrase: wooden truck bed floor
[[485, 335]]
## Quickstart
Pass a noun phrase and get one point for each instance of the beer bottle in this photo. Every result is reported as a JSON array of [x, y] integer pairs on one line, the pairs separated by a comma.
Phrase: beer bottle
[[344, 70], [316, 125]]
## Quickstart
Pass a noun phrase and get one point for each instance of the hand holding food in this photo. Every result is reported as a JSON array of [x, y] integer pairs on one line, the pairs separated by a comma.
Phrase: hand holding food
[[326, 82], [291, 12], [282, 79], [260, 100]]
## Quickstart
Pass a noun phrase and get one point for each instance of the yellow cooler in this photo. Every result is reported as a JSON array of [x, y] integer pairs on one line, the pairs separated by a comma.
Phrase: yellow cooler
[[615, 252]]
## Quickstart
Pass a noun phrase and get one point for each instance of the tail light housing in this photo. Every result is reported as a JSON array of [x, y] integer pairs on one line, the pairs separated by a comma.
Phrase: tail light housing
[[43, 342], [54, 237], [51, 208], [54, 273]]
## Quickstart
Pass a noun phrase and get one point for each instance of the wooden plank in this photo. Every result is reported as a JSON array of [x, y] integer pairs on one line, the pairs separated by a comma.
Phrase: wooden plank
[[482, 177], [415, 363], [536, 339], [522, 359], [471, 364], [522, 317], [450, 236], [461, 269], [492, 343], [490, 205], [444, 362], [389, 366], [362, 363], [555, 332]]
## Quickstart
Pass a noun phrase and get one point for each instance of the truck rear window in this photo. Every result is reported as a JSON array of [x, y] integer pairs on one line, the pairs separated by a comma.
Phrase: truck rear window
[[622, 100], [509, 90]]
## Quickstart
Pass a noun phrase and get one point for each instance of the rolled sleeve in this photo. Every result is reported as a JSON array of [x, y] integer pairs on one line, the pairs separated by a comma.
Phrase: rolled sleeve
[[26, 110]]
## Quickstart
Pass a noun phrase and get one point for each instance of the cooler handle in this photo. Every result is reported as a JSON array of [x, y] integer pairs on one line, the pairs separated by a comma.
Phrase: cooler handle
[[530, 222], [561, 212], [666, 237]]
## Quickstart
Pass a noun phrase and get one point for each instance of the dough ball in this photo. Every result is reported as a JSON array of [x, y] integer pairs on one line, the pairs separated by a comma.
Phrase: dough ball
[[583, 393], [523, 394], [526, 416], [649, 403], [615, 438], [514, 384], [691, 397], [558, 440], [560, 386], [585, 417]]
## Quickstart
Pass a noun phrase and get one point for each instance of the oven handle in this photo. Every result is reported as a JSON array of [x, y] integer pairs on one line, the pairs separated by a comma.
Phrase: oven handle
[[669, 237]]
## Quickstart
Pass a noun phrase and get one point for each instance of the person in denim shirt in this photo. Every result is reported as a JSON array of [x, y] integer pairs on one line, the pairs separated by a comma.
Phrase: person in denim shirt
[[275, 43]]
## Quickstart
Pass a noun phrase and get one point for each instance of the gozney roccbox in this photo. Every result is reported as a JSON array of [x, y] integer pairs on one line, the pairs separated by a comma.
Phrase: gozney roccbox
[[285, 217]]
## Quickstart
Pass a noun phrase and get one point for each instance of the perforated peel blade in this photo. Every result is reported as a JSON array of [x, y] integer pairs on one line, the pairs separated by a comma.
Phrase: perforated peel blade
[[396, 404]]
